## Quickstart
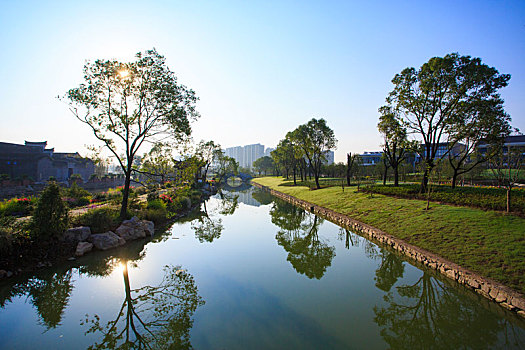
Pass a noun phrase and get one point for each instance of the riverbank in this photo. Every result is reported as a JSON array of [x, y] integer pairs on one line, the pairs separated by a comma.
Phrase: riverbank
[[462, 243], [31, 255]]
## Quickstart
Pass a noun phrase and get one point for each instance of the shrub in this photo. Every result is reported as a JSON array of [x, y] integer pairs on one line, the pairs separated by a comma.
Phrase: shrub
[[152, 196], [159, 215], [50, 217], [99, 220], [185, 203], [482, 197], [156, 204]]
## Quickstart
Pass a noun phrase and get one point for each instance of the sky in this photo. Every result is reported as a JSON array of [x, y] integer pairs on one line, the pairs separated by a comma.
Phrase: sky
[[260, 68]]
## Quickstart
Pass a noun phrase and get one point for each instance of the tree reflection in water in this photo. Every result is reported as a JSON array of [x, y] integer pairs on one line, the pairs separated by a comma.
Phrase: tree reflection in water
[[49, 294], [391, 267], [151, 316], [229, 202], [299, 237], [207, 228], [428, 314]]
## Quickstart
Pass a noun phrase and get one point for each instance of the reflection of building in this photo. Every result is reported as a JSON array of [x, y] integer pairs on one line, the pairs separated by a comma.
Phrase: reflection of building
[[33, 160], [246, 197], [246, 155]]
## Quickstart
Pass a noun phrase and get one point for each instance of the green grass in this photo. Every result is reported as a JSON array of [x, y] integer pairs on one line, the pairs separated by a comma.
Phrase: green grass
[[487, 242]]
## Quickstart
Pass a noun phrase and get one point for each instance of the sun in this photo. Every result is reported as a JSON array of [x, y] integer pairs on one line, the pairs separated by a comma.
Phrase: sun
[[123, 73]]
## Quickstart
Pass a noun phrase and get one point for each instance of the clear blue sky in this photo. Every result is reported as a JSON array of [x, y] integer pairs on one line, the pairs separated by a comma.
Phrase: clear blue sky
[[260, 68]]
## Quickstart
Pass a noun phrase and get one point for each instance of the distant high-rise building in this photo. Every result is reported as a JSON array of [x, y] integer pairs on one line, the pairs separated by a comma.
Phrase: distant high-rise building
[[246, 155], [252, 153]]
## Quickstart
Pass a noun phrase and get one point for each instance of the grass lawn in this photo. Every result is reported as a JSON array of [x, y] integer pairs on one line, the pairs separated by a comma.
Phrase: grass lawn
[[487, 242]]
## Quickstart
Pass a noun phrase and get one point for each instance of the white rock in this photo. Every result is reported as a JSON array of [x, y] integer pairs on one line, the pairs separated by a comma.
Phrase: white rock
[[77, 234], [83, 248], [104, 241]]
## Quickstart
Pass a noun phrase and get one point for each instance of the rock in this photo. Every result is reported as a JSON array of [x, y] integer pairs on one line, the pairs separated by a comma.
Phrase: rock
[[71, 258], [83, 248], [77, 234], [8, 274], [135, 228], [517, 302], [104, 241], [3, 273], [149, 227]]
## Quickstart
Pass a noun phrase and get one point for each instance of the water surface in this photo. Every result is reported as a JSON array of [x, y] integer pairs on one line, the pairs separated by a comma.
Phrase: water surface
[[248, 271]]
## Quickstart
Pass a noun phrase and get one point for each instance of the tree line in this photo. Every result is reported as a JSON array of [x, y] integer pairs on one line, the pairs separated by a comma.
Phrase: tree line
[[452, 100]]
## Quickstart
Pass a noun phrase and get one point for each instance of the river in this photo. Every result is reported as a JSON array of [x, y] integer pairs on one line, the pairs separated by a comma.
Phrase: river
[[249, 271]]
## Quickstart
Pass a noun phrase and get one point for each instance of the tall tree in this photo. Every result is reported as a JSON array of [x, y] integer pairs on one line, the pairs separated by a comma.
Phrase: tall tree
[[207, 151], [129, 104], [396, 145], [263, 164], [285, 156], [480, 122], [431, 99], [315, 138]]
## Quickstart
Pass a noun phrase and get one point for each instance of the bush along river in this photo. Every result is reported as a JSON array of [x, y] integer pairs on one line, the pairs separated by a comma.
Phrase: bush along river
[[249, 271]]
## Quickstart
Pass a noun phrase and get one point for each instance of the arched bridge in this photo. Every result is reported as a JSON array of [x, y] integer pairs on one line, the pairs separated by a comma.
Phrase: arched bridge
[[244, 177]]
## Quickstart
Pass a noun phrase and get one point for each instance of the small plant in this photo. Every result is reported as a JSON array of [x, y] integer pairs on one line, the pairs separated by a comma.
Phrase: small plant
[[50, 218], [156, 204], [99, 220]]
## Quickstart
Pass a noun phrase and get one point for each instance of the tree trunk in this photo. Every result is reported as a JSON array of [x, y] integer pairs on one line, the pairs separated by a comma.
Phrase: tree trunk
[[125, 195], [424, 182], [508, 199], [317, 181], [454, 179], [396, 177], [384, 176], [294, 178]]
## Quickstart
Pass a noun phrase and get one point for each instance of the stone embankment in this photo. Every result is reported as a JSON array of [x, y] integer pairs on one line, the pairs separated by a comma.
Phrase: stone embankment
[[491, 290], [129, 230]]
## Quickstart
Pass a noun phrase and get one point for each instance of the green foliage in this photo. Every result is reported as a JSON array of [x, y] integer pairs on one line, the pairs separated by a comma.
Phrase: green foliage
[[99, 220], [156, 204], [157, 215], [75, 177], [50, 218], [481, 197], [445, 97], [17, 206], [12, 232], [264, 165], [76, 196], [185, 203]]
